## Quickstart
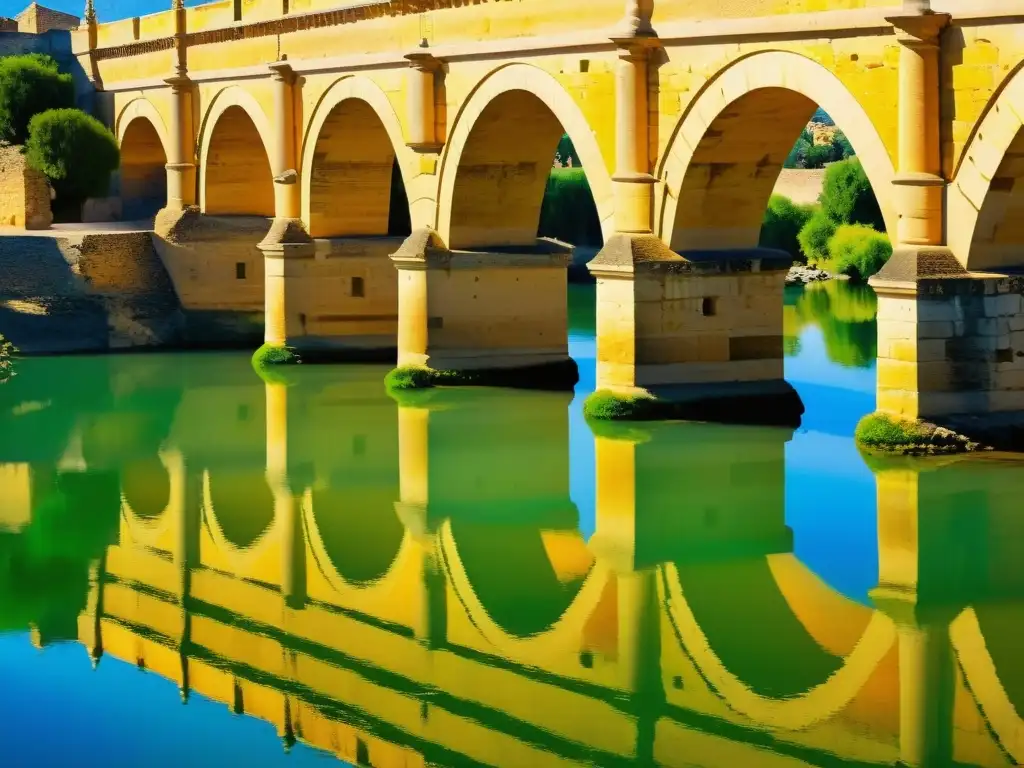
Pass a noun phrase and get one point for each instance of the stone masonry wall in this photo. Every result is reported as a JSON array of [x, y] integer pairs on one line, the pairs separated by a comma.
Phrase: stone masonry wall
[[85, 293], [24, 192], [956, 347]]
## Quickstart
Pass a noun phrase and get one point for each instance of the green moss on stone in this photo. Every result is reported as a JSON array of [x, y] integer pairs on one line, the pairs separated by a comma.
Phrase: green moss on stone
[[562, 375], [779, 408], [605, 405], [882, 433], [269, 360]]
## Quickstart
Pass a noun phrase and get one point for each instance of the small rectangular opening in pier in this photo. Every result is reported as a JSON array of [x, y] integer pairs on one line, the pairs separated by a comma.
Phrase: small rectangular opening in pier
[[584, 65], [240, 270], [707, 307], [358, 289]]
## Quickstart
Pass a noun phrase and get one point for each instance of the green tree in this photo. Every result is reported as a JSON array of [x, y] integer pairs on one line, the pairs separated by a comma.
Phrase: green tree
[[782, 224], [75, 151], [842, 148], [847, 197], [566, 149], [30, 84], [818, 155], [568, 212]]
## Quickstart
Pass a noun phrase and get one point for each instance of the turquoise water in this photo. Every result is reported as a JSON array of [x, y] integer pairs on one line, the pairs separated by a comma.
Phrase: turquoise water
[[497, 510]]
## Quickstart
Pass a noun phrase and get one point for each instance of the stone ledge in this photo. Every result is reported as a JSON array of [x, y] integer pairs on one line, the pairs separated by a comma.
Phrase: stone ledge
[[769, 403], [626, 254], [558, 376]]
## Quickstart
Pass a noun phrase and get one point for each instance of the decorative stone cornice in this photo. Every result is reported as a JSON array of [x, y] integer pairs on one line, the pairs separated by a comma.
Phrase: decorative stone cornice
[[282, 70], [134, 49], [920, 29], [423, 61]]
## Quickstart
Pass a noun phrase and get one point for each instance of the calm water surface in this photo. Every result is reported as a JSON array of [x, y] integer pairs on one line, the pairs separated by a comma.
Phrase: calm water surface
[[198, 568]]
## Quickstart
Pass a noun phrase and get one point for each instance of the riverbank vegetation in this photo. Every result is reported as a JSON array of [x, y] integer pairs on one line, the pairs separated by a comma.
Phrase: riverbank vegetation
[[7, 352], [881, 433], [568, 212], [73, 150], [843, 234]]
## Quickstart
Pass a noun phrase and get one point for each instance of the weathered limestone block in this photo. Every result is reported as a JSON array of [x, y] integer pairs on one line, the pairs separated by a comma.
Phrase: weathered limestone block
[[482, 311], [339, 297], [217, 272], [24, 192], [948, 339], [706, 327]]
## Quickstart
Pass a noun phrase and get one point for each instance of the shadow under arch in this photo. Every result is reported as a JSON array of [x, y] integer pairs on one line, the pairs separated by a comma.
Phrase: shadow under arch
[[353, 112], [543, 111], [986, 641], [235, 176], [985, 200], [788, 87], [789, 708], [238, 510], [142, 138], [560, 626]]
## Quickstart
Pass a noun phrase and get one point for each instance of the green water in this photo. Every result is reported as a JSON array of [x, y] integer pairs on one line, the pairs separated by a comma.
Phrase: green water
[[198, 568]]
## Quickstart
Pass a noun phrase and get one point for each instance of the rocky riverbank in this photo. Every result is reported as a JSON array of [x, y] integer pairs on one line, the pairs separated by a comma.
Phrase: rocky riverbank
[[801, 274]]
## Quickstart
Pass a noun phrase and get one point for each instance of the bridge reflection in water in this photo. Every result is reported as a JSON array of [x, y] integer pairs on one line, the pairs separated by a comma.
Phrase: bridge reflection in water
[[407, 584]]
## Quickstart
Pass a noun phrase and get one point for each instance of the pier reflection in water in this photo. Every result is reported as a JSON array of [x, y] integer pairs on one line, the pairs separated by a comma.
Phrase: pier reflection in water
[[418, 583]]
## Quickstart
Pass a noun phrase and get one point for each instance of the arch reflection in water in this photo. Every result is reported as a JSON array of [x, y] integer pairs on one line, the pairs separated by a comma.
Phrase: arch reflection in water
[[413, 594]]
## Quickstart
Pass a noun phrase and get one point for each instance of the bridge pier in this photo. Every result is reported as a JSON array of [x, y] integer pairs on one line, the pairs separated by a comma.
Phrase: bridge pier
[[475, 317], [950, 344], [694, 336]]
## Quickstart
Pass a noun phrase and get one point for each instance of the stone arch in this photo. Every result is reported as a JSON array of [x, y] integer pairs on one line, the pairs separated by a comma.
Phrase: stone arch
[[985, 207], [783, 88], [234, 177], [390, 586], [561, 637], [543, 105], [353, 108], [360, 535], [148, 515], [142, 137], [239, 513], [794, 711]]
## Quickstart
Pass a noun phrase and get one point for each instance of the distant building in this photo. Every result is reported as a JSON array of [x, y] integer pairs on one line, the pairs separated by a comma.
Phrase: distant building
[[8, 24], [38, 19]]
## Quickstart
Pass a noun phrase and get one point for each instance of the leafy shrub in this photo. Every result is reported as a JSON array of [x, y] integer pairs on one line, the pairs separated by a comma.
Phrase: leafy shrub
[[7, 351], [814, 238], [782, 224], [847, 197], [30, 84], [858, 250], [75, 151], [568, 212]]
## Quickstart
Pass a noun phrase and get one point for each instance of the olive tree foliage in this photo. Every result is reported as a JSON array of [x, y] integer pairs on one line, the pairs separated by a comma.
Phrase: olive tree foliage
[[7, 351], [30, 84], [75, 151]]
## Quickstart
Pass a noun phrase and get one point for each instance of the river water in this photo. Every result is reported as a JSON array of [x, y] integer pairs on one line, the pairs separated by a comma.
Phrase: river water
[[201, 568]]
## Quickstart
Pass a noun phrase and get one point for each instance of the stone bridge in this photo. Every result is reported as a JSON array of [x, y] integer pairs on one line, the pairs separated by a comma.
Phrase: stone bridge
[[396, 596], [327, 133]]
